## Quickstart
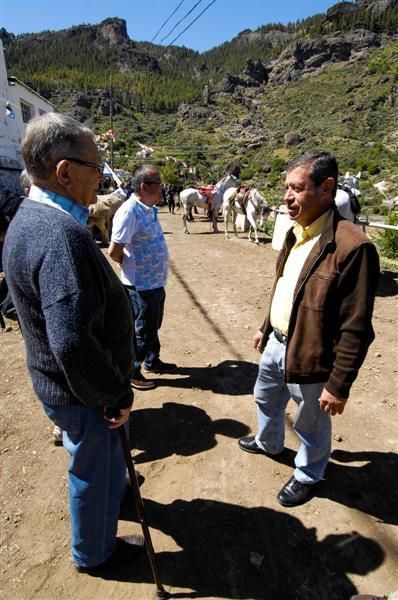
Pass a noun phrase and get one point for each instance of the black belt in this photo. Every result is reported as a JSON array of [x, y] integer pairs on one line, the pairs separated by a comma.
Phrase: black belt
[[281, 337]]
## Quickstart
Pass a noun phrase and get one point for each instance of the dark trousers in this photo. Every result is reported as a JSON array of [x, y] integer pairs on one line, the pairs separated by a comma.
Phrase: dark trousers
[[148, 308]]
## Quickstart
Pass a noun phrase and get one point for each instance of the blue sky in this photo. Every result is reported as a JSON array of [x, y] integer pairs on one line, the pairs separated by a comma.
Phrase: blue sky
[[221, 22]]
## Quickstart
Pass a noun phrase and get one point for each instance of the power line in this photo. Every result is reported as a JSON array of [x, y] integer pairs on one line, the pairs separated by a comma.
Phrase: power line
[[191, 23], [180, 21], [166, 21]]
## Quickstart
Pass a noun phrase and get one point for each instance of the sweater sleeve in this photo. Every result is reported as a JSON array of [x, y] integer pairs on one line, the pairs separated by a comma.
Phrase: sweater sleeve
[[74, 309], [356, 294]]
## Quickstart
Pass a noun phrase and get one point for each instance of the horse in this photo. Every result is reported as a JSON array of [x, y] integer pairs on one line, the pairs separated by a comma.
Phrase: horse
[[191, 197], [347, 196], [249, 202], [101, 213]]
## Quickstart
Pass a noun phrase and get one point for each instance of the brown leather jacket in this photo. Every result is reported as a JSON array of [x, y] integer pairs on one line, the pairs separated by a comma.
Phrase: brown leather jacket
[[330, 328]]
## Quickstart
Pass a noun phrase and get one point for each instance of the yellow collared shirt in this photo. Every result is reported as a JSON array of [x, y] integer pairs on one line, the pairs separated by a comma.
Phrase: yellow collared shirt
[[306, 238]]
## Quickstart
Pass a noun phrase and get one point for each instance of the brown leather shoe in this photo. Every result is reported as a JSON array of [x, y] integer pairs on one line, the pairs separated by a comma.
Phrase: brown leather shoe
[[140, 383], [368, 597]]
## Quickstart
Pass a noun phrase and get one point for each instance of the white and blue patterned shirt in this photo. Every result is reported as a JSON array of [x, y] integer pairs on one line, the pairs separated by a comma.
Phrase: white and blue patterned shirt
[[145, 261]]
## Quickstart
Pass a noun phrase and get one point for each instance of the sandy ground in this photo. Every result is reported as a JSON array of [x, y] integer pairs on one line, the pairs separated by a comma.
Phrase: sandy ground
[[216, 525]]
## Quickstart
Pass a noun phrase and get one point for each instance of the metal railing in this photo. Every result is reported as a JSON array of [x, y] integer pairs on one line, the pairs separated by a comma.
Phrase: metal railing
[[363, 221], [377, 224]]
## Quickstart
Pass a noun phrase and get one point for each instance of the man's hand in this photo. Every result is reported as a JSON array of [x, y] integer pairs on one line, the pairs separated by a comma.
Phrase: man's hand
[[331, 404], [116, 417], [258, 336]]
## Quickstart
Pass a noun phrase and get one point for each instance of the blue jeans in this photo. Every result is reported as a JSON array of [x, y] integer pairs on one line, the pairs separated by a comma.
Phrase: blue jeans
[[148, 309], [97, 480], [311, 424]]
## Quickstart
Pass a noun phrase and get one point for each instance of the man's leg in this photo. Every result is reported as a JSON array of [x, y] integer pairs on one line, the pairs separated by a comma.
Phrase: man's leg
[[97, 481], [271, 396], [157, 300], [146, 309], [313, 427]]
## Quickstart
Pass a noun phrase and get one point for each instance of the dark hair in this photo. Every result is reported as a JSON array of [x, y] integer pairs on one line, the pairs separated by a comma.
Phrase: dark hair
[[142, 175], [322, 165], [49, 138]]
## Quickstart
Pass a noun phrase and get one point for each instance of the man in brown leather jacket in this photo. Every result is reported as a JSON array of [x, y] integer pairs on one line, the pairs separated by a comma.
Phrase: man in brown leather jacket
[[318, 329]]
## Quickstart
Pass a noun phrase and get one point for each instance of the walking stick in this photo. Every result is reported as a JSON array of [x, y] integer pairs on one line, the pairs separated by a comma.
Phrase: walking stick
[[161, 593]]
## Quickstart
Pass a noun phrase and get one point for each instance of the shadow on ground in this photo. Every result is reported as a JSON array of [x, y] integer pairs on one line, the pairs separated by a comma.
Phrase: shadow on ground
[[179, 429], [388, 284], [371, 487], [229, 551], [232, 377]]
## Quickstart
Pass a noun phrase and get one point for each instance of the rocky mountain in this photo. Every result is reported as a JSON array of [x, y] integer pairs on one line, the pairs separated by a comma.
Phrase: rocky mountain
[[327, 81]]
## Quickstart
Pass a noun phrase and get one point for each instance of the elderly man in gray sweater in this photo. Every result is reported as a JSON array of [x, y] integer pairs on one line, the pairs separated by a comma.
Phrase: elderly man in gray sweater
[[77, 326]]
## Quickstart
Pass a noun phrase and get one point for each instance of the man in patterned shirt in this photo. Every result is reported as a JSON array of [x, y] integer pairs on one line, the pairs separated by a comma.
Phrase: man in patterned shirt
[[139, 246]]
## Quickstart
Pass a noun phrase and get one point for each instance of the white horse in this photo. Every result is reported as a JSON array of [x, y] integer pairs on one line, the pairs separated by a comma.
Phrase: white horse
[[349, 186], [143, 153], [191, 197], [254, 203]]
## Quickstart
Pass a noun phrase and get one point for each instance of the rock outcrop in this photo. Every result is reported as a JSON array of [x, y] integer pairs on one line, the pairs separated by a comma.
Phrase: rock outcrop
[[306, 56]]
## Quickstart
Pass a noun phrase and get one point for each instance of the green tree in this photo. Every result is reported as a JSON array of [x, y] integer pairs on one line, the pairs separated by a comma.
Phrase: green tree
[[169, 173]]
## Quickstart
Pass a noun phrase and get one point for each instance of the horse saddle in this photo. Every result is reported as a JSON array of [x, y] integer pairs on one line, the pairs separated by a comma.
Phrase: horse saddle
[[208, 193], [241, 196]]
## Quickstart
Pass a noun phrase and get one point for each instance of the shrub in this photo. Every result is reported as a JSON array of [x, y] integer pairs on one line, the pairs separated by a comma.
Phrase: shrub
[[388, 240], [373, 168], [267, 227], [278, 165]]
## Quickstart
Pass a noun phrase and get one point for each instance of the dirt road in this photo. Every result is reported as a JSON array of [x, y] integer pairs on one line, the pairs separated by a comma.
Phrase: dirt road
[[216, 524]]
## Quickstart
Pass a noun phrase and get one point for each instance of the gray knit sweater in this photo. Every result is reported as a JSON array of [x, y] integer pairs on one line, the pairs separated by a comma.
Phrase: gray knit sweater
[[75, 315]]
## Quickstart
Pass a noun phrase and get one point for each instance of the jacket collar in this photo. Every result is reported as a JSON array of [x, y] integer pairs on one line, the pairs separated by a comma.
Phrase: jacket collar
[[327, 235]]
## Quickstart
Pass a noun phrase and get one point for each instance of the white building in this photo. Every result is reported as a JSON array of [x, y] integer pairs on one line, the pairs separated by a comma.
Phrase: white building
[[19, 103]]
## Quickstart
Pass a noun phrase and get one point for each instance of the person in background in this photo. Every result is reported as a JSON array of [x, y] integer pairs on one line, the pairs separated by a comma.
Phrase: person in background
[[78, 331], [139, 246], [318, 329], [170, 199]]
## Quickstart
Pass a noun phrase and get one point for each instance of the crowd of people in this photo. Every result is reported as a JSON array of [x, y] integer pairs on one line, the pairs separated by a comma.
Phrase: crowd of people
[[89, 334]]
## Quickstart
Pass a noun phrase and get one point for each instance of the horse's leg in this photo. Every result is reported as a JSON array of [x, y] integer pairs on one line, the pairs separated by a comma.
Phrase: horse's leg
[[184, 218], [226, 218], [234, 215], [252, 220], [215, 215], [256, 240], [105, 233]]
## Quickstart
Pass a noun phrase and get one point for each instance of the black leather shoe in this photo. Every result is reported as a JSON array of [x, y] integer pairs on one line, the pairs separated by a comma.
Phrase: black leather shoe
[[248, 444], [127, 549], [161, 367], [294, 493]]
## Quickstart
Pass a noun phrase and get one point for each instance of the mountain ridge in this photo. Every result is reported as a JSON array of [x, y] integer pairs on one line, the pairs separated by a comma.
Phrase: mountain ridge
[[240, 98]]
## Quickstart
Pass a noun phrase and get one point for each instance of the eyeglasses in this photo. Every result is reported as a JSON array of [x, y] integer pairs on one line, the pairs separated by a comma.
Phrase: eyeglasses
[[156, 182], [100, 167]]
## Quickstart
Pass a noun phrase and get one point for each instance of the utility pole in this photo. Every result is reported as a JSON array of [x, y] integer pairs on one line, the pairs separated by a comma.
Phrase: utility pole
[[111, 119]]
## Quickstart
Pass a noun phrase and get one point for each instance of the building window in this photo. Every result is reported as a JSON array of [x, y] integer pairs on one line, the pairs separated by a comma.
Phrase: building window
[[27, 111], [42, 112]]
